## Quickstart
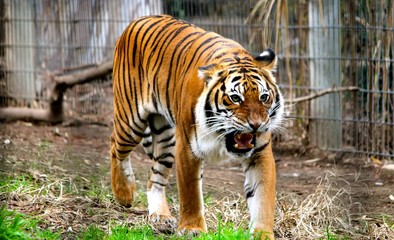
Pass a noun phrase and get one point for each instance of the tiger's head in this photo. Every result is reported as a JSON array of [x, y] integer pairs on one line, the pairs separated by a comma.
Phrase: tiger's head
[[240, 102]]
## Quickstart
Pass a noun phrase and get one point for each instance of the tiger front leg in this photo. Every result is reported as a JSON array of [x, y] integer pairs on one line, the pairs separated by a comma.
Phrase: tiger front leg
[[160, 216], [189, 179], [122, 176], [160, 148], [260, 177]]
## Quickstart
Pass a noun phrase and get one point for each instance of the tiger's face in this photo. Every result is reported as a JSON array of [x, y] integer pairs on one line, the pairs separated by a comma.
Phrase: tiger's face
[[242, 103]]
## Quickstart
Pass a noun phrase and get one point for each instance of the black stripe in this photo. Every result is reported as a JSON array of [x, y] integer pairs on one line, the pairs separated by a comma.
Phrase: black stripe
[[273, 113], [124, 94], [163, 32], [225, 44], [160, 130], [154, 101], [166, 164], [120, 127], [199, 47], [159, 183], [161, 54], [136, 42], [250, 191], [131, 104], [252, 163], [216, 103], [155, 171], [169, 145], [139, 133], [277, 104], [236, 79], [261, 148], [147, 144], [127, 133], [124, 118], [220, 55], [187, 138], [123, 152], [169, 80], [255, 77], [191, 61], [165, 139], [210, 46], [155, 29], [163, 156], [207, 106], [236, 85], [133, 92]]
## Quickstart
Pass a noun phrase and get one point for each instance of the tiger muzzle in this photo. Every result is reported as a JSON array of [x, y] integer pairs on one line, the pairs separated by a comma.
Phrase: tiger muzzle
[[240, 142]]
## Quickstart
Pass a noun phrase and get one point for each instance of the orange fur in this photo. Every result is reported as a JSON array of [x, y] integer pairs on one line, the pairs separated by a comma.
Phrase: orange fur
[[172, 69]]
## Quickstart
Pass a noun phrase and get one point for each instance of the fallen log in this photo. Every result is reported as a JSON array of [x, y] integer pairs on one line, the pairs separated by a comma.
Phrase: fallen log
[[55, 112]]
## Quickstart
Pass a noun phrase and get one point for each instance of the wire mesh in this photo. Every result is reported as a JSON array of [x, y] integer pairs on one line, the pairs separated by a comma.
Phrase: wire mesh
[[320, 44]]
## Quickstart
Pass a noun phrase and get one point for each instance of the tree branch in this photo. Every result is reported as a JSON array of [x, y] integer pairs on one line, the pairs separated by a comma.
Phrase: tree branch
[[321, 93]]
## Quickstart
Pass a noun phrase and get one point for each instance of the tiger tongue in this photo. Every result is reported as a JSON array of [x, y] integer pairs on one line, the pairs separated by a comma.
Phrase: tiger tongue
[[243, 141]]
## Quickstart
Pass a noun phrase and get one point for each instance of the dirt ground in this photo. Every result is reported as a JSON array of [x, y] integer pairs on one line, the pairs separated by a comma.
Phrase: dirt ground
[[81, 153]]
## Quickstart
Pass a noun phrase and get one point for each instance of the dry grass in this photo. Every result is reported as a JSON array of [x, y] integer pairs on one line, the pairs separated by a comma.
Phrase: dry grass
[[326, 212], [62, 207], [309, 218]]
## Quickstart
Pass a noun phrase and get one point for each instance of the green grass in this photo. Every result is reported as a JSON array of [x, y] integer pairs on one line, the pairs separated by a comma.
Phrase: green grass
[[145, 232], [15, 225], [19, 226], [388, 220], [331, 236], [18, 184]]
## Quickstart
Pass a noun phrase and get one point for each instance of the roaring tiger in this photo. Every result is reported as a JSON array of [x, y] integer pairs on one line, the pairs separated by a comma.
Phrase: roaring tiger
[[190, 96]]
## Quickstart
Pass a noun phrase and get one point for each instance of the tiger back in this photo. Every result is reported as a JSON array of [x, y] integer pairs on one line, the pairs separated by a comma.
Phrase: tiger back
[[190, 96]]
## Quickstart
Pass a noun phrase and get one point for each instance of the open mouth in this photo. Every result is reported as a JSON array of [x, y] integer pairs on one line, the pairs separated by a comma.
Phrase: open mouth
[[240, 142]]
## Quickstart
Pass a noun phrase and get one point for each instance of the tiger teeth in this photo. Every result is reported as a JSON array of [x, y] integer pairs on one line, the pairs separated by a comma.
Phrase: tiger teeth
[[249, 146]]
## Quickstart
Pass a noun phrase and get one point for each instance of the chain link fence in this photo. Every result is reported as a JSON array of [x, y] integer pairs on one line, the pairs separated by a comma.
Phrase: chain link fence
[[321, 45]]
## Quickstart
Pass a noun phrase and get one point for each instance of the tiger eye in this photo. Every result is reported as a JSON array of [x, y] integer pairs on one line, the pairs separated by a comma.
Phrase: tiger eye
[[264, 97], [235, 98]]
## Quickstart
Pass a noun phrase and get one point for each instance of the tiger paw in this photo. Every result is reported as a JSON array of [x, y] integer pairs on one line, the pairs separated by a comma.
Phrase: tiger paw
[[190, 231], [123, 182], [163, 223], [124, 191]]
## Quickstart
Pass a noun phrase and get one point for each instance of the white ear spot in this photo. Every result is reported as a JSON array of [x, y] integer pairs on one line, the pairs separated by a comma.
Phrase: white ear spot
[[267, 59], [265, 54]]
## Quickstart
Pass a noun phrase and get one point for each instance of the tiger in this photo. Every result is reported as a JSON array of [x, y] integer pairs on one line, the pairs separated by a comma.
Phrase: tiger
[[191, 96]]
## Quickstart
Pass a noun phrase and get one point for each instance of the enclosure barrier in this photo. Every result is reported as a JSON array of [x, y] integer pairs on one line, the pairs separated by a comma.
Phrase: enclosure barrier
[[335, 59]]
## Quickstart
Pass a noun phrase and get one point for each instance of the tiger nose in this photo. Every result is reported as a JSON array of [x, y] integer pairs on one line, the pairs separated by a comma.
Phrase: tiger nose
[[255, 125]]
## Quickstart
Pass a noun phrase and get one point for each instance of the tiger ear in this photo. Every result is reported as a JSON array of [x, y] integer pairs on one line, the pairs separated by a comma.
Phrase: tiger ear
[[267, 59], [206, 72]]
